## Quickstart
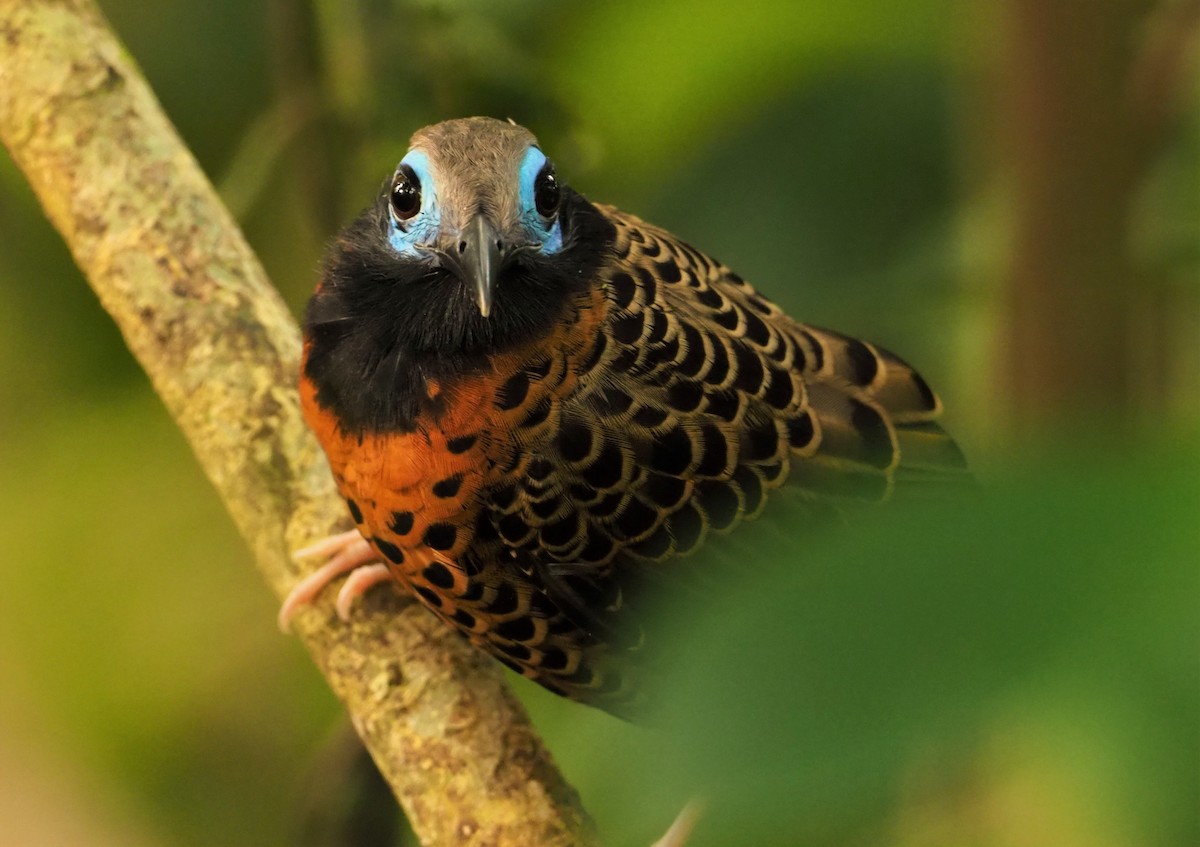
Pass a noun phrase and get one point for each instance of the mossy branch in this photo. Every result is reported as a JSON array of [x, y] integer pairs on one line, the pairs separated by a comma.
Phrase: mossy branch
[[171, 267]]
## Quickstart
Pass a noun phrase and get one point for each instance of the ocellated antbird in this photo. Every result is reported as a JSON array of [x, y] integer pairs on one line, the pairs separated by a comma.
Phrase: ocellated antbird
[[531, 401]]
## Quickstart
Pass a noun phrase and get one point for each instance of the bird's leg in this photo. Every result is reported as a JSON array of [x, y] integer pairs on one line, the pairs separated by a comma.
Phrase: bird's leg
[[349, 553]]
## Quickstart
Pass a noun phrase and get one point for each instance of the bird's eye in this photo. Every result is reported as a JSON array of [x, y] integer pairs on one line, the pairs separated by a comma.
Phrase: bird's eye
[[546, 192], [406, 194]]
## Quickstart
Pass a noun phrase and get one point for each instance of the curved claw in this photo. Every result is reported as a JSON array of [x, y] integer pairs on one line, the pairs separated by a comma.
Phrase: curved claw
[[349, 552], [361, 580]]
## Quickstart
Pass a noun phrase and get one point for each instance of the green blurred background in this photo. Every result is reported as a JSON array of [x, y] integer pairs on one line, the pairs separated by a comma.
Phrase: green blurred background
[[1005, 191]]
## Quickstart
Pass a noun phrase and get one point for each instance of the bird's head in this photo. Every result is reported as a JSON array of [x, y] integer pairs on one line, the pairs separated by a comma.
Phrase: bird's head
[[472, 246], [471, 196]]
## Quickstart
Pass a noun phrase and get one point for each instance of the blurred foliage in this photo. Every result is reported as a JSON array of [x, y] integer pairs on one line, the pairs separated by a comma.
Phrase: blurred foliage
[[1020, 668]]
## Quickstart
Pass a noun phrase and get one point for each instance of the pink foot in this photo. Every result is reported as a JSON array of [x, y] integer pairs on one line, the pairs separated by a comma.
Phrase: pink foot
[[347, 552]]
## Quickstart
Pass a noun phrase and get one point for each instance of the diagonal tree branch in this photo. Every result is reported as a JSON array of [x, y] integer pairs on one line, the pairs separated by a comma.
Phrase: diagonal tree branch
[[194, 305]]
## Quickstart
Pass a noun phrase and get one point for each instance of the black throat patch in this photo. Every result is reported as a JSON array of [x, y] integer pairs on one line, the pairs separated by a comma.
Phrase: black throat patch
[[381, 324]]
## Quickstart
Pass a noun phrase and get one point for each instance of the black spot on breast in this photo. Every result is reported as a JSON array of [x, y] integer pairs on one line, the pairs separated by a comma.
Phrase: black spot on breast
[[687, 525], [751, 486], [537, 368], [401, 523], [649, 285], [463, 618], [873, 429], [355, 512], [599, 547], [485, 531], [461, 444], [514, 529], [815, 346], [547, 507], [506, 600], [668, 351], [440, 536], [438, 575], [517, 629], [760, 441], [651, 248], [728, 320], [723, 404], [574, 441], [779, 391], [749, 370], [448, 487], [581, 493], [721, 503], [517, 651], [650, 417], [429, 596], [756, 330], [758, 303], [685, 395], [718, 364], [771, 471], [538, 413], [799, 360], [800, 431], [539, 469], [668, 271], [671, 452], [554, 659], [927, 395], [710, 297], [513, 392], [562, 532], [777, 347], [541, 606], [636, 519], [390, 551], [625, 359], [628, 329], [715, 455], [610, 401], [863, 366], [608, 505], [656, 546], [502, 496], [693, 351], [667, 492], [658, 327], [608, 468], [623, 288], [474, 592]]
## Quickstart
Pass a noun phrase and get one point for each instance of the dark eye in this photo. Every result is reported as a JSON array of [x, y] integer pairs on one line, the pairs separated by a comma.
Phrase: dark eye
[[546, 193], [406, 194]]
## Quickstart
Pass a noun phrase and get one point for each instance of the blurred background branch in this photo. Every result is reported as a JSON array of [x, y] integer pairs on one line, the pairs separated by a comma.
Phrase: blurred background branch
[[1088, 97]]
